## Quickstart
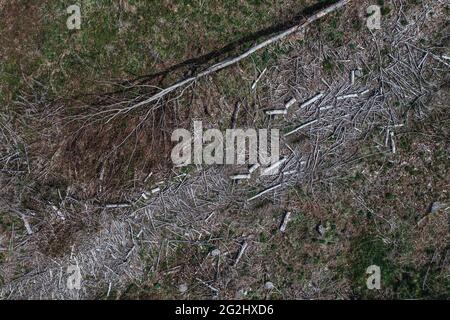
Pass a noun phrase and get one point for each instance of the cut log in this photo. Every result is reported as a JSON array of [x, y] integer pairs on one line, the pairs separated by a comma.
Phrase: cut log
[[286, 219], [290, 103], [240, 177]]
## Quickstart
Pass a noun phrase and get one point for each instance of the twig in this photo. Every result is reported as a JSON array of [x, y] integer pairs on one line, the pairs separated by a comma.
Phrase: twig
[[259, 78], [241, 253]]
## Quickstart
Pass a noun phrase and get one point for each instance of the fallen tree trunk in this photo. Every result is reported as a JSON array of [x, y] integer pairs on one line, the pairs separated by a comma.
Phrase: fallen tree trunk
[[233, 60]]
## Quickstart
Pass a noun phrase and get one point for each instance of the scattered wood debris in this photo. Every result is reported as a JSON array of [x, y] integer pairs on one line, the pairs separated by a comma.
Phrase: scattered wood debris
[[58, 213], [276, 112], [290, 172], [284, 111], [364, 92]]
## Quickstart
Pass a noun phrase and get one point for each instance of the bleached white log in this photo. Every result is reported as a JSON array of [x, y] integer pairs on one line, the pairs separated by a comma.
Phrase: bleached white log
[[286, 219], [148, 177], [208, 285], [118, 206], [290, 103], [254, 167], [301, 127], [347, 96], [276, 112], [264, 192], [109, 289], [364, 92], [393, 142], [311, 101], [270, 170], [326, 108], [26, 224], [155, 190], [240, 177]]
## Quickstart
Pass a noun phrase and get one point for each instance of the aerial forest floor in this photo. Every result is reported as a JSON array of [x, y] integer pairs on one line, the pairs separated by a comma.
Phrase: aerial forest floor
[[365, 178]]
